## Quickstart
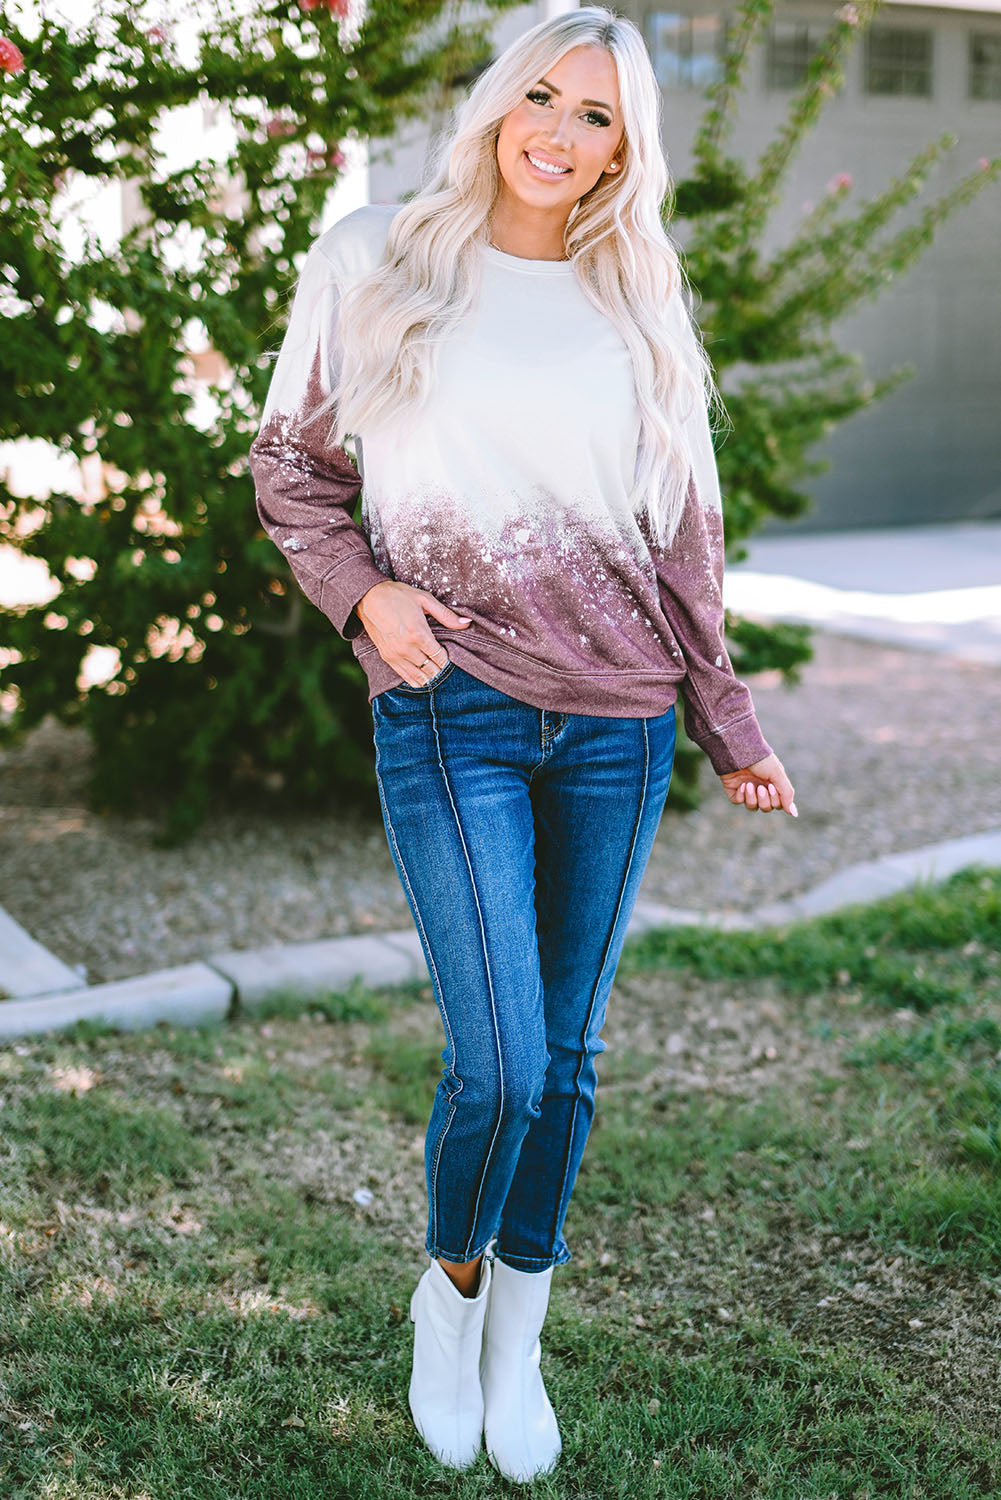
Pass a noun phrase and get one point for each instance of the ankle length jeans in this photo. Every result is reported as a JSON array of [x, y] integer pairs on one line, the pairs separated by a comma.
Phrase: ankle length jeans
[[520, 836]]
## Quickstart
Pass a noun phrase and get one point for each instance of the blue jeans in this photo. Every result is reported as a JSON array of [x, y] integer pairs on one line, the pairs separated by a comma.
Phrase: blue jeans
[[520, 836]]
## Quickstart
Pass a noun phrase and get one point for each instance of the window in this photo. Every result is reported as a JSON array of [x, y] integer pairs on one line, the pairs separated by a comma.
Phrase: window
[[685, 49], [791, 46], [898, 61], [985, 66]]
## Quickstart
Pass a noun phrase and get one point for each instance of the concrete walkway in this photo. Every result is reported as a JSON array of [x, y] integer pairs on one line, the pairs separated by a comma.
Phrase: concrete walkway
[[243, 980], [934, 587]]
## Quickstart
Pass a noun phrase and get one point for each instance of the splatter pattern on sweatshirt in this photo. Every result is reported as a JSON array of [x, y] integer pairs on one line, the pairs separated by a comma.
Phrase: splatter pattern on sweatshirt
[[509, 500]]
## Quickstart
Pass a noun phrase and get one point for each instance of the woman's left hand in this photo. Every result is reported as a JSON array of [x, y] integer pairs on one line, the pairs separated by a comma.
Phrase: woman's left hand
[[761, 787]]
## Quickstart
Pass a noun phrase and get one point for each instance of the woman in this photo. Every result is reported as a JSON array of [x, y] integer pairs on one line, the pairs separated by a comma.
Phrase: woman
[[536, 574]]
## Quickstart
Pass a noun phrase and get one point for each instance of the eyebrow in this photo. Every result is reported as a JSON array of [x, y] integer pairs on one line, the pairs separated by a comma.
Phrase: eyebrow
[[598, 102]]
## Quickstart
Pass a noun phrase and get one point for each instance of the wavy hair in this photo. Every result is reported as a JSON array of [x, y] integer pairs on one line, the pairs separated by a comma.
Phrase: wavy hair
[[393, 320]]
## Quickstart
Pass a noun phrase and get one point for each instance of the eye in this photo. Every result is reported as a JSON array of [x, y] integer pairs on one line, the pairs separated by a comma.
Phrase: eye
[[542, 96]]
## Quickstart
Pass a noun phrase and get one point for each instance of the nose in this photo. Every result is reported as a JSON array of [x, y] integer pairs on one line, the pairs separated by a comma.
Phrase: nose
[[559, 134]]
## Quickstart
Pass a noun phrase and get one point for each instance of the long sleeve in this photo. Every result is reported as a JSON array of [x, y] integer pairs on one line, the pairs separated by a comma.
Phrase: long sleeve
[[719, 713], [306, 490]]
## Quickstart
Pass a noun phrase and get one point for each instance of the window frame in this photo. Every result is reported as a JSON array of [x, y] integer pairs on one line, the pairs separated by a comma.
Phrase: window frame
[[972, 39], [686, 82], [882, 33], [810, 26]]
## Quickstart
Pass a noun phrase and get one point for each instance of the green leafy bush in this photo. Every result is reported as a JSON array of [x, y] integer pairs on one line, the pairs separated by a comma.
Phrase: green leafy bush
[[222, 676]]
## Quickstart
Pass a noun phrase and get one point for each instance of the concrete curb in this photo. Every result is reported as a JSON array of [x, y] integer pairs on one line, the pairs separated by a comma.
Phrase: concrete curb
[[28, 968], [307, 968], [245, 979], [856, 884], [189, 995]]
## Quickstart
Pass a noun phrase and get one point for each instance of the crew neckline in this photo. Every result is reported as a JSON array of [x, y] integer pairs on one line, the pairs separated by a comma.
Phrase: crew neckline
[[532, 267]]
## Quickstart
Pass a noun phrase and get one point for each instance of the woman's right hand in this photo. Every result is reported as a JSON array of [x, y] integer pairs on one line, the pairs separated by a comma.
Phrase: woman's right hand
[[393, 616]]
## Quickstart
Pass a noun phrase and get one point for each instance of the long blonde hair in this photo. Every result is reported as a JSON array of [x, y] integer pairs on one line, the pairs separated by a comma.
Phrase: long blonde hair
[[392, 321]]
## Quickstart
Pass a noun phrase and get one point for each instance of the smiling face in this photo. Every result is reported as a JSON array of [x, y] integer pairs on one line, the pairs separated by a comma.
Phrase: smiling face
[[555, 145]]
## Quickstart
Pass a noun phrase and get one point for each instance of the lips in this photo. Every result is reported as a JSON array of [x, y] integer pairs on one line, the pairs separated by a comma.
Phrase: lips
[[540, 172]]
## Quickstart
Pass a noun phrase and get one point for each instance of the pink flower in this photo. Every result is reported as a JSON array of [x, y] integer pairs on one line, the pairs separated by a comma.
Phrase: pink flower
[[983, 163], [277, 126], [335, 7], [157, 34], [849, 14], [840, 183], [316, 161], [11, 57]]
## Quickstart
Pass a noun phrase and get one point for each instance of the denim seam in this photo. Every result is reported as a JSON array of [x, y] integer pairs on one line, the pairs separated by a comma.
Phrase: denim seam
[[535, 1262], [466, 1255], [490, 979], [434, 1170], [441, 1006], [597, 984]]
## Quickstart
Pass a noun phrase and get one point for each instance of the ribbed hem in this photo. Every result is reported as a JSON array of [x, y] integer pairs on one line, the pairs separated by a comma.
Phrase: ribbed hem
[[618, 695]]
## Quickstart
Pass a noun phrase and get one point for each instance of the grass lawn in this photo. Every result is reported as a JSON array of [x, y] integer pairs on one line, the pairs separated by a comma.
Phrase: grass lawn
[[786, 1235]]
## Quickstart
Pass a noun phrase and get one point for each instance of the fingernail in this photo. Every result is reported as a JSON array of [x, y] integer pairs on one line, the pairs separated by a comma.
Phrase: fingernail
[[792, 809]]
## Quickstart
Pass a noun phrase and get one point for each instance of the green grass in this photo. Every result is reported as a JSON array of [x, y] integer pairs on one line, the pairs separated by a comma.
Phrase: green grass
[[778, 1289], [921, 949]]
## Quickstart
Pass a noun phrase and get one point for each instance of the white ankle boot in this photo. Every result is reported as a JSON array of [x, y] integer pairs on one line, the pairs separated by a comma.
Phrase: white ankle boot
[[522, 1436], [445, 1396]]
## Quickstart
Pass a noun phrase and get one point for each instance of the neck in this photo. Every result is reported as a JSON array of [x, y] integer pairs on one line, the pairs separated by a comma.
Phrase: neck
[[527, 238]]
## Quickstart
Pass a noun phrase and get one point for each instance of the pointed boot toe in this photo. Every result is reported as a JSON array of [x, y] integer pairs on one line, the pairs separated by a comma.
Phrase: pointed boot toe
[[445, 1397]]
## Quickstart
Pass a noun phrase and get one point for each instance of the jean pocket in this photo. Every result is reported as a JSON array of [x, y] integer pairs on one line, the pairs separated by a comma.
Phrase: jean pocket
[[433, 682]]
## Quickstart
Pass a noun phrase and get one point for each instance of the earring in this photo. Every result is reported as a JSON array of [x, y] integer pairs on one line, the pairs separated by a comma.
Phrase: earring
[[613, 166]]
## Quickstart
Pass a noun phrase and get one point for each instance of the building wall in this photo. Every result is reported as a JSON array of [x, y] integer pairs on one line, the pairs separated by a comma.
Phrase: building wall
[[932, 449]]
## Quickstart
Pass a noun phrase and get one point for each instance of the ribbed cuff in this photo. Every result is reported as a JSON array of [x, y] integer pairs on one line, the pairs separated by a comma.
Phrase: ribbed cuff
[[342, 588], [735, 746]]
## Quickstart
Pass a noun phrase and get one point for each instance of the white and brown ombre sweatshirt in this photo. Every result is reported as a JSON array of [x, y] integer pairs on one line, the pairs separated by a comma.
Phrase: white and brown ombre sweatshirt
[[508, 500]]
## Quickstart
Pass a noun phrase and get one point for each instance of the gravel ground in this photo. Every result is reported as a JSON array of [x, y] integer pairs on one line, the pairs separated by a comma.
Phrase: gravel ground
[[888, 748]]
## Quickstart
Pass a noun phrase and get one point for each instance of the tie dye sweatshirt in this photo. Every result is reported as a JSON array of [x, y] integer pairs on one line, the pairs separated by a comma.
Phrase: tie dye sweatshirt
[[508, 501]]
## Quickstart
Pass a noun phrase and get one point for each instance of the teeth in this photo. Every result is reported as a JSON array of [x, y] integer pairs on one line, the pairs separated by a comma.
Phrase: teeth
[[546, 166]]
